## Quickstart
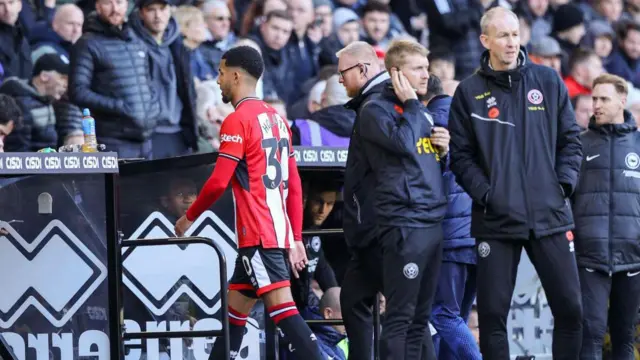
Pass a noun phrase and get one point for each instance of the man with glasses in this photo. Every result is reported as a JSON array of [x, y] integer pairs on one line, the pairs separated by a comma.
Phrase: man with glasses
[[363, 77]]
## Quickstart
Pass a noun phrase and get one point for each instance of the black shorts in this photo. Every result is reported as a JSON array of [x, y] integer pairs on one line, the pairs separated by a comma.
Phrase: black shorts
[[260, 270]]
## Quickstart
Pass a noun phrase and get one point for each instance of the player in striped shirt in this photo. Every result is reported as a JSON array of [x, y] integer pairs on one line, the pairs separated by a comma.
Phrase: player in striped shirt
[[256, 155]]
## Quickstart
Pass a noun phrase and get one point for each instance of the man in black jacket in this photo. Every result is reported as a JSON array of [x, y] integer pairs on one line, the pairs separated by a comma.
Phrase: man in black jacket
[[404, 151], [607, 234], [516, 151], [15, 53], [10, 117], [110, 75], [363, 77], [175, 132]]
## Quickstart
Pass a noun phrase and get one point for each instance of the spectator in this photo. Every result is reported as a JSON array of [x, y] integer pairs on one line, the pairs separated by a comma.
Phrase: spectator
[[346, 27], [256, 15], [220, 37], [600, 37], [35, 98], [323, 10], [608, 10], [568, 30], [303, 46], [194, 31], [546, 51], [525, 31], [15, 54], [331, 338], [273, 37], [376, 24], [583, 106], [208, 97], [585, 66], [442, 64], [110, 74], [625, 60], [35, 14], [175, 132], [455, 25], [60, 35], [10, 117], [332, 124], [539, 15]]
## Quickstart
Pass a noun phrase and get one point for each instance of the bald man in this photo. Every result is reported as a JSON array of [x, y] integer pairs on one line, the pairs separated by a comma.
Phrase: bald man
[[61, 34], [515, 149]]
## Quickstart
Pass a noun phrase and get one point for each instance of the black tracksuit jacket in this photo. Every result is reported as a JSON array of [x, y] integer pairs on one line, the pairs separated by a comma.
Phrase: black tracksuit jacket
[[515, 149]]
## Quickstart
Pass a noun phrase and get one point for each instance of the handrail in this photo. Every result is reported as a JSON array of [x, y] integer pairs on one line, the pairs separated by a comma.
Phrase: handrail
[[322, 232], [224, 332]]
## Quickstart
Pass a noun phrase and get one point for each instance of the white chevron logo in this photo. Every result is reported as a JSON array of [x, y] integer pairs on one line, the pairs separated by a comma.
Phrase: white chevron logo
[[57, 274], [159, 275]]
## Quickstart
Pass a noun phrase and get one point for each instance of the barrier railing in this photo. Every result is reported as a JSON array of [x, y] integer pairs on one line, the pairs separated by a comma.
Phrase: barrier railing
[[223, 334]]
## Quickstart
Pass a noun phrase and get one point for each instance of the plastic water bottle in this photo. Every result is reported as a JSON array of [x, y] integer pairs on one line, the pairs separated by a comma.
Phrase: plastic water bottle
[[89, 129]]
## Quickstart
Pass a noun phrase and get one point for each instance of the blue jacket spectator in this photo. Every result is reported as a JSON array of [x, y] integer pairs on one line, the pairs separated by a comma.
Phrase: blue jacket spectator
[[625, 60], [44, 40], [15, 53]]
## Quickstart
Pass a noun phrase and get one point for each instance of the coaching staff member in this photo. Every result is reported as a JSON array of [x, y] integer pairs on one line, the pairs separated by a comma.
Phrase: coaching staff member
[[404, 151], [516, 151], [608, 222], [363, 78]]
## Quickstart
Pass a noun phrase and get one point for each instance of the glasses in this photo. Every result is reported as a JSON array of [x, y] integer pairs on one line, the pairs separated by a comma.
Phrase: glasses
[[342, 72]]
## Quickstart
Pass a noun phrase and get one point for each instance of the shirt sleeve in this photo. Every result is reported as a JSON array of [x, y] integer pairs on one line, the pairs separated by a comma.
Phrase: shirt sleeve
[[232, 138]]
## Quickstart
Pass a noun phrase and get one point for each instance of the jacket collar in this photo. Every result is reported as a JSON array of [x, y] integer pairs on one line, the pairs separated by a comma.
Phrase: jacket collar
[[374, 84], [628, 126]]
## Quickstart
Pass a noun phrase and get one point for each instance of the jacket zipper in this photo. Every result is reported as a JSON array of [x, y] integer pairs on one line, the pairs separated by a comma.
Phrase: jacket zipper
[[530, 224], [610, 206], [355, 200]]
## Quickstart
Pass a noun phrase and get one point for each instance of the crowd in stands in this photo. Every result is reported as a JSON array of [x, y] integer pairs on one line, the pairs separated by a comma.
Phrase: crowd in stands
[[147, 70]]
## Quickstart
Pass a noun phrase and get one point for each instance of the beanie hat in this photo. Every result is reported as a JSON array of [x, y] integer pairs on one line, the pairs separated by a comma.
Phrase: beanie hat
[[566, 17]]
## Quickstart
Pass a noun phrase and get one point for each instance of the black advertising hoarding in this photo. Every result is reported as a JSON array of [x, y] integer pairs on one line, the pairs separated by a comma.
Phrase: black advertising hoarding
[[53, 255]]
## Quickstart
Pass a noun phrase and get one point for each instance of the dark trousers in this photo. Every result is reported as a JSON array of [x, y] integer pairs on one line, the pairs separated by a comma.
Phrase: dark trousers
[[615, 300], [169, 145], [362, 282], [411, 259], [452, 305], [555, 262], [128, 149]]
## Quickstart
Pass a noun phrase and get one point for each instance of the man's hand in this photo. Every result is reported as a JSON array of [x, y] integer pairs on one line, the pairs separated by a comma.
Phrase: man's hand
[[298, 258], [182, 225], [440, 139], [404, 91]]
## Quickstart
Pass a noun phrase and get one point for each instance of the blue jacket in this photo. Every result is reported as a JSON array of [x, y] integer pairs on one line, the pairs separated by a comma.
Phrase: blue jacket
[[44, 41], [619, 64], [358, 214], [457, 220], [328, 339], [409, 189]]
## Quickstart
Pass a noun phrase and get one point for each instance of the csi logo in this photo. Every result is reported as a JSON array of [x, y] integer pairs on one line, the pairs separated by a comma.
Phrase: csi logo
[[52, 163], [33, 163], [310, 156], [13, 163], [342, 155], [71, 162], [109, 162], [90, 162], [327, 156], [296, 154]]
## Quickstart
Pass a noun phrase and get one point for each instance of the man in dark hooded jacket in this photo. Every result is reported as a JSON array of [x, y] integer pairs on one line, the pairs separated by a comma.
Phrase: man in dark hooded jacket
[[515, 149], [110, 75], [607, 234], [175, 132]]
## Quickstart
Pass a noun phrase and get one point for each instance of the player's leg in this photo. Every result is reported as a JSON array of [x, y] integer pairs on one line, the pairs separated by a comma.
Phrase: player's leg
[[595, 287], [270, 271], [426, 244], [450, 310], [555, 262], [241, 299], [496, 278], [623, 313], [357, 298]]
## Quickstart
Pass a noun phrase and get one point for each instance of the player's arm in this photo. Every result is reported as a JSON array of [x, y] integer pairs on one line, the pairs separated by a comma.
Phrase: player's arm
[[294, 199], [232, 150]]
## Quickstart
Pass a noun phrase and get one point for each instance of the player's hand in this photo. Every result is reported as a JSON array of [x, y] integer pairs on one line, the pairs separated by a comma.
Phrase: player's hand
[[440, 139], [182, 225], [298, 258], [404, 91]]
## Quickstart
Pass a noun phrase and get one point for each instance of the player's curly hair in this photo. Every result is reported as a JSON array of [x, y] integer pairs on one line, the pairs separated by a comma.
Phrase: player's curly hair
[[246, 58], [9, 111]]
